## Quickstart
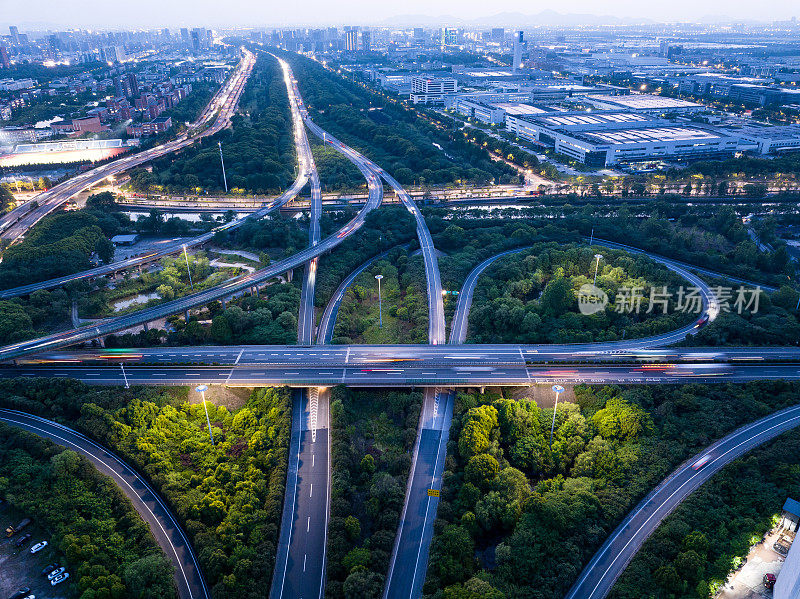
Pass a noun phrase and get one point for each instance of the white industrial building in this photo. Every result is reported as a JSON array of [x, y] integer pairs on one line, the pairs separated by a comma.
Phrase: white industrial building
[[493, 113], [607, 138], [648, 103], [770, 139], [431, 90], [788, 584]]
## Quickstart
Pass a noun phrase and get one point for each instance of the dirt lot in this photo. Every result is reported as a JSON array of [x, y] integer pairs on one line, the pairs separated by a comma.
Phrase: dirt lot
[[19, 568]]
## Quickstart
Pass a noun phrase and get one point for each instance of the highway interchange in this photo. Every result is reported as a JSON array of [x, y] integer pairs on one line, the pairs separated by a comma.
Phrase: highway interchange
[[438, 368]]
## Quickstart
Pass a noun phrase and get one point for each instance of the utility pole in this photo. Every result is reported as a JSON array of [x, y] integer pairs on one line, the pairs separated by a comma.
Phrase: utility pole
[[380, 307], [222, 162], [189, 270], [202, 391], [559, 390]]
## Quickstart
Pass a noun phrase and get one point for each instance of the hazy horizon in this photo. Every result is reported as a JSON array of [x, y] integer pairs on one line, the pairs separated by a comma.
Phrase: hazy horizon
[[82, 14]]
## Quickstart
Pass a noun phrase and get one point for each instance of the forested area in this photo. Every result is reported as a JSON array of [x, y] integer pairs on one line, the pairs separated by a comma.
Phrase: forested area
[[372, 433], [62, 243], [383, 229], [336, 172], [405, 304], [519, 519], [259, 147], [531, 297], [708, 535], [228, 495], [391, 134], [108, 548]]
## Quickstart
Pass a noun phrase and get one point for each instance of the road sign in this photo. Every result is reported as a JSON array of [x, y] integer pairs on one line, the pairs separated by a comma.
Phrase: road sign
[[433, 492]]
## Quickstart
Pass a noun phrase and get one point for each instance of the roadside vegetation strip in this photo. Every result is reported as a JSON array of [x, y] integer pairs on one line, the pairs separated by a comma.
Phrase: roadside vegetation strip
[[705, 539], [541, 512], [228, 495], [107, 548]]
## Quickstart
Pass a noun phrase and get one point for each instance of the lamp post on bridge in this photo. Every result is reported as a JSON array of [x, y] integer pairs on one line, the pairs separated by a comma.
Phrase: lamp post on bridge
[[559, 390], [189, 270], [201, 389], [380, 306]]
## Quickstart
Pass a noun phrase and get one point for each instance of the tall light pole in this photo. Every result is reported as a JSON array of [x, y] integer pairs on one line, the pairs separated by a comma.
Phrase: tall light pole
[[559, 390], [597, 257], [189, 270], [380, 306], [201, 389], [222, 162]]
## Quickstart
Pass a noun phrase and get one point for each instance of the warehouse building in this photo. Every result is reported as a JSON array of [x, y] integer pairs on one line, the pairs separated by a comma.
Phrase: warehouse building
[[648, 103], [769, 139], [602, 139]]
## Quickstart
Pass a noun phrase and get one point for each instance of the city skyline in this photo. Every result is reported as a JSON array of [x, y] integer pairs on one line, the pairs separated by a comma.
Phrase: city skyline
[[80, 14]]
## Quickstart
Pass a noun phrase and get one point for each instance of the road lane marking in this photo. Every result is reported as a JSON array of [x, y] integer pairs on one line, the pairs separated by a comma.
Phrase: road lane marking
[[308, 524], [311, 490]]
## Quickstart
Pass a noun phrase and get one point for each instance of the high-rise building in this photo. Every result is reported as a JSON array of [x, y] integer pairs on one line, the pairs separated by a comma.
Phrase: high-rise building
[[449, 36], [165, 33], [419, 34], [498, 34], [196, 41], [4, 58], [185, 36], [351, 39], [366, 40], [518, 41], [14, 30]]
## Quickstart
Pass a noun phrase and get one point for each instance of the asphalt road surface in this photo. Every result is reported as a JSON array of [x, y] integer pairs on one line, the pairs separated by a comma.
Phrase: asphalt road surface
[[422, 374], [409, 560], [165, 528], [300, 561], [610, 561]]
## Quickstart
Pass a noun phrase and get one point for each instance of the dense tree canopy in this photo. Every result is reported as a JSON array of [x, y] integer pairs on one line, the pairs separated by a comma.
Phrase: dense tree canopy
[[93, 528]]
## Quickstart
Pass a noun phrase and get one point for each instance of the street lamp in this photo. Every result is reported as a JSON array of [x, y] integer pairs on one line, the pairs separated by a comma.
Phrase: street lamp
[[380, 306], [559, 390], [189, 270], [201, 389], [222, 162], [597, 257]]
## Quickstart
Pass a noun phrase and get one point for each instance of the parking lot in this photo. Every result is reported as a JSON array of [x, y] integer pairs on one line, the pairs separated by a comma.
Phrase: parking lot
[[19, 568]]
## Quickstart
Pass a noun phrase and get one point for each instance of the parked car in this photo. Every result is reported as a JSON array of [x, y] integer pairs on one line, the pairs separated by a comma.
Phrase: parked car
[[23, 539], [49, 568], [56, 572], [23, 592], [59, 579], [39, 546]]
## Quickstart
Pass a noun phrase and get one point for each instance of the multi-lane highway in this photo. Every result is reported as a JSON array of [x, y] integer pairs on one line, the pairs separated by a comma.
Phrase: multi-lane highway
[[300, 561], [163, 524], [609, 562], [17, 222]]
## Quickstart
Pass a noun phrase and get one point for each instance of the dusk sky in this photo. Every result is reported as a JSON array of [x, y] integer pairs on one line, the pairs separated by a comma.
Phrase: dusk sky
[[157, 13]]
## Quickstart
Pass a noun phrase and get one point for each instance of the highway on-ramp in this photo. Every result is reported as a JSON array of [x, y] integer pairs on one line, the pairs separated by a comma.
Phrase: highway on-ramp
[[151, 507], [609, 562]]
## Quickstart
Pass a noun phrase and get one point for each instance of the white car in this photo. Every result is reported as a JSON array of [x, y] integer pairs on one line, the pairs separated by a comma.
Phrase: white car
[[56, 572], [38, 547], [59, 579]]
